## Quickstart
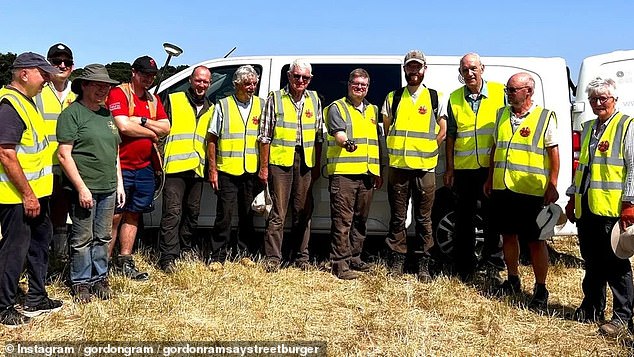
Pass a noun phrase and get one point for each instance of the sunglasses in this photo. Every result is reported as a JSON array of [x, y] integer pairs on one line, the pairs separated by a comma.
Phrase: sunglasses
[[58, 61], [297, 77]]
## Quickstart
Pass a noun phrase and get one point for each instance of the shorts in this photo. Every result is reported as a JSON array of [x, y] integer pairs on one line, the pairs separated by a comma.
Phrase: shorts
[[516, 213], [139, 190]]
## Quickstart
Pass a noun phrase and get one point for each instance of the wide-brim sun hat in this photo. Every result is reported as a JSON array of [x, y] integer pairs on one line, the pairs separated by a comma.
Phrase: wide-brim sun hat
[[622, 241], [94, 73], [548, 218]]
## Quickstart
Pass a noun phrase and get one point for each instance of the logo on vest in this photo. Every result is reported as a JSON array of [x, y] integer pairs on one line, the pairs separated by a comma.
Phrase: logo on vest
[[603, 146], [373, 120], [525, 131], [309, 114], [422, 110], [255, 120]]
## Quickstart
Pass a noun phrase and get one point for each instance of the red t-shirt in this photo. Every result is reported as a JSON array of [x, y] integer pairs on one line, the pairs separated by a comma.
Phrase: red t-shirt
[[134, 153]]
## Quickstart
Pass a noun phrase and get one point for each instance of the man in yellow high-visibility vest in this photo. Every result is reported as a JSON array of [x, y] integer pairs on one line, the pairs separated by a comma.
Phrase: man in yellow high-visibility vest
[[354, 169], [54, 98], [189, 113], [602, 195], [522, 179], [26, 182], [291, 132], [415, 128], [233, 164], [470, 123]]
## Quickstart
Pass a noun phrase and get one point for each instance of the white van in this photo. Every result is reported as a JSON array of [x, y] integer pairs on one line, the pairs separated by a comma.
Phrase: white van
[[386, 74]]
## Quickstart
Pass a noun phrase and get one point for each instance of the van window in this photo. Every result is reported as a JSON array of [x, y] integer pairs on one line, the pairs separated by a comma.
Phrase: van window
[[330, 80], [221, 83]]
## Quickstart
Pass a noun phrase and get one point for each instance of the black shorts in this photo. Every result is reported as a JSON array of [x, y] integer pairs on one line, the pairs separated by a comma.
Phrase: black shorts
[[516, 213]]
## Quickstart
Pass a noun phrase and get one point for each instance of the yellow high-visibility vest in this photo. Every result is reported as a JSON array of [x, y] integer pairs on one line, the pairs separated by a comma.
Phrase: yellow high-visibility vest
[[237, 145], [185, 146], [474, 138], [282, 150], [411, 140], [521, 163], [31, 152], [607, 171], [362, 129], [49, 106]]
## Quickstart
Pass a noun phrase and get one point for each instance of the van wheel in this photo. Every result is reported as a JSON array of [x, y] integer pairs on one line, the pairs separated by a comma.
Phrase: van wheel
[[445, 232]]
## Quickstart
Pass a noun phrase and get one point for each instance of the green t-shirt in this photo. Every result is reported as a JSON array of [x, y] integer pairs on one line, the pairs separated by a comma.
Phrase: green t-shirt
[[95, 140]]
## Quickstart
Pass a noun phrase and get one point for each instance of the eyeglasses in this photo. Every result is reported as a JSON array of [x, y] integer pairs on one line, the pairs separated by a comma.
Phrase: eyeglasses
[[362, 85], [297, 77], [58, 61], [100, 85], [511, 90], [601, 100]]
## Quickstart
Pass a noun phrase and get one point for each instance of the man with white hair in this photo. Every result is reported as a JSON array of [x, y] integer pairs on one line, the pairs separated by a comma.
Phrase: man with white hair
[[290, 136], [603, 193], [233, 164], [470, 121]]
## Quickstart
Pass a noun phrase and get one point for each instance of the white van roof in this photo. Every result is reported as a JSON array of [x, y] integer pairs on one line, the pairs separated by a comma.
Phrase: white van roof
[[618, 65]]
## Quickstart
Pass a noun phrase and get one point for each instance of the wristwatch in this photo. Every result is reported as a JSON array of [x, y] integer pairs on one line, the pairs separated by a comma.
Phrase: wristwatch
[[143, 121]]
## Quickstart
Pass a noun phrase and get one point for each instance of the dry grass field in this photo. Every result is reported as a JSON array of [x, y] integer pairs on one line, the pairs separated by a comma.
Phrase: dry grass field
[[376, 315]]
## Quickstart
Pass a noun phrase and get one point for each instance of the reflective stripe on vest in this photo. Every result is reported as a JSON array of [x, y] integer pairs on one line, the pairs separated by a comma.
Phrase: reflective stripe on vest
[[520, 160], [283, 143], [411, 140], [31, 152], [607, 171], [474, 138], [237, 145], [49, 106], [185, 145], [361, 128]]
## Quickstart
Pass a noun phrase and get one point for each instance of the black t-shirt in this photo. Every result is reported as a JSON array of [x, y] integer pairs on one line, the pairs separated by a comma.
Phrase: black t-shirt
[[12, 125]]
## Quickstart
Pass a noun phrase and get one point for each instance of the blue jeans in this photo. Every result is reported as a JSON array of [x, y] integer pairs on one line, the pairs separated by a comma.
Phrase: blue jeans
[[89, 238]]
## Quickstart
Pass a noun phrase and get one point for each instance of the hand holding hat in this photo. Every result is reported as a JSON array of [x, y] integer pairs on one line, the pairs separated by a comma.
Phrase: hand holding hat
[[627, 215]]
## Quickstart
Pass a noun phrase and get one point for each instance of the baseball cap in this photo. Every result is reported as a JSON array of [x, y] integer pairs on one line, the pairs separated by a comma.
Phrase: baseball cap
[[145, 64], [33, 60], [59, 49], [415, 55]]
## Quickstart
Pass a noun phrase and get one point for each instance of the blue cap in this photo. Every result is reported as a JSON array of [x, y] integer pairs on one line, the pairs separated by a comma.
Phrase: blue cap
[[33, 60]]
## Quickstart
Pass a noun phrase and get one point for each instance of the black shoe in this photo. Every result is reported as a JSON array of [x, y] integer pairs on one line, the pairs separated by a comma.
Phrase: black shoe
[[81, 292], [10, 317], [125, 265], [168, 266], [422, 273], [396, 262], [101, 289], [46, 305], [360, 266], [584, 316], [510, 287], [302, 265], [540, 297]]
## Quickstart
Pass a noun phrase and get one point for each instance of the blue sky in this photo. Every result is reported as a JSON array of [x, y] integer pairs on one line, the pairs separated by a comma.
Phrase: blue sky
[[108, 31]]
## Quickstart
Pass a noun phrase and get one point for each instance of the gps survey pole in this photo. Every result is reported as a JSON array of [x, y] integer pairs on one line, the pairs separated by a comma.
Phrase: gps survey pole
[[157, 158], [172, 51]]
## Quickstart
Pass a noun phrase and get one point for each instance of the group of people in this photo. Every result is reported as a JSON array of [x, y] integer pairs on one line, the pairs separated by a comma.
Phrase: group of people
[[91, 149]]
